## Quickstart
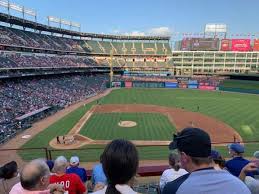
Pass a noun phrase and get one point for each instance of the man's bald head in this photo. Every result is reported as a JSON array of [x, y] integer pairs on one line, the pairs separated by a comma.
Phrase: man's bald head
[[32, 174]]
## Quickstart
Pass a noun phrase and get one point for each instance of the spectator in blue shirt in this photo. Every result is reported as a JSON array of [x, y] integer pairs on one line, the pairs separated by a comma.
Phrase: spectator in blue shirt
[[235, 165], [98, 176], [74, 168]]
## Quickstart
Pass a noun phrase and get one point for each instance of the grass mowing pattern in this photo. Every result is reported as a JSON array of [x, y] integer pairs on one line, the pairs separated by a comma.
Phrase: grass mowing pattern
[[150, 126], [241, 111], [60, 127]]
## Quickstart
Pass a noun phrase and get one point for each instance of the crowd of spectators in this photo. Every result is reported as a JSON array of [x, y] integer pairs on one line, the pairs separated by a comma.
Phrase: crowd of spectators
[[195, 169], [16, 60], [22, 96], [16, 37]]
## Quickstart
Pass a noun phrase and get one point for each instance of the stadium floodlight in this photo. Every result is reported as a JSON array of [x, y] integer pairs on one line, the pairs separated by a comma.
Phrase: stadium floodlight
[[74, 24], [30, 12], [12, 6], [53, 19], [16, 7], [62, 21], [4, 3], [216, 28], [65, 22]]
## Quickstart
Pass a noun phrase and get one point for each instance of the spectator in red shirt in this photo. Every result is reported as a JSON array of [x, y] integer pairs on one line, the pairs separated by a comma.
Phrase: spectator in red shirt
[[71, 182]]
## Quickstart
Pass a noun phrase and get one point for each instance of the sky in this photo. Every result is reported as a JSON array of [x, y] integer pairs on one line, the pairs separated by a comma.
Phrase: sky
[[149, 17]]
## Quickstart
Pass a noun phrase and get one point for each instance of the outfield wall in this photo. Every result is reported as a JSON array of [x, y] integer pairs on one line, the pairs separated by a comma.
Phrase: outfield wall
[[191, 84]]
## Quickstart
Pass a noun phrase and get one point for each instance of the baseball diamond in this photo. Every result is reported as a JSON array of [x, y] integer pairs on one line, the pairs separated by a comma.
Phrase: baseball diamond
[[182, 103]]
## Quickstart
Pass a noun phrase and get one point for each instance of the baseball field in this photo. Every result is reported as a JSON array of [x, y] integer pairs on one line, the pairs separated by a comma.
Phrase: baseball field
[[238, 111]]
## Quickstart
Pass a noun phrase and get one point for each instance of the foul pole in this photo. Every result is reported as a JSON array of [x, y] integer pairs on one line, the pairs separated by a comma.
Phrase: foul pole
[[111, 67]]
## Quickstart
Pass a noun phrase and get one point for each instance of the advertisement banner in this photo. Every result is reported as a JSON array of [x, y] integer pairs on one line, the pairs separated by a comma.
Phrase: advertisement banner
[[205, 44], [256, 45], [225, 45], [128, 84], [192, 82], [171, 85], [204, 84], [182, 86], [207, 88], [116, 84], [186, 44], [193, 86], [241, 45]]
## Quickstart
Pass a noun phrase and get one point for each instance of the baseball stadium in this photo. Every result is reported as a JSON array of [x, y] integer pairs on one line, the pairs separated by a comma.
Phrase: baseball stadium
[[64, 92]]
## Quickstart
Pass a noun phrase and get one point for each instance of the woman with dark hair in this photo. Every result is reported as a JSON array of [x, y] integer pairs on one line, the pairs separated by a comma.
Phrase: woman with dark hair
[[8, 176], [174, 172], [120, 163]]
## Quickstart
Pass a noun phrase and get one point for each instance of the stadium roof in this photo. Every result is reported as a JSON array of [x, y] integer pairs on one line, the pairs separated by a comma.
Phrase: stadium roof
[[41, 27]]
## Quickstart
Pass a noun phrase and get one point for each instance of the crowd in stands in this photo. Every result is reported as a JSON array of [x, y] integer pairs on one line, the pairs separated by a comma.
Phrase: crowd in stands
[[22, 96], [15, 37], [194, 168], [43, 41], [16, 60]]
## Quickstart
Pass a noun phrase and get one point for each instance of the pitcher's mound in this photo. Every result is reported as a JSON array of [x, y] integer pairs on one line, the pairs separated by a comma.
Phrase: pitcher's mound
[[127, 124]]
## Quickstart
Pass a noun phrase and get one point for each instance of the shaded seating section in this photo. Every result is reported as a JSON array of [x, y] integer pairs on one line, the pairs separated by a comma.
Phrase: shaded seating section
[[149, 48], [95, 47], [160, 48], [139, 48], [6, 62], [14, 60], [119, 47], [128, 48], [107, 46], [167, 48], [21, 97]]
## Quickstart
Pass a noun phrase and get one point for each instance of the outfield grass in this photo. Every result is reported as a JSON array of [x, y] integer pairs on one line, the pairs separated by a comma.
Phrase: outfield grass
[[240, 111], [150, 126], [241, 84]]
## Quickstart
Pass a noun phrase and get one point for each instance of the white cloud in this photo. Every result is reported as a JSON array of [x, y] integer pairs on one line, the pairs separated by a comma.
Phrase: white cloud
[[135, 33], [116, 31], [160, 31]]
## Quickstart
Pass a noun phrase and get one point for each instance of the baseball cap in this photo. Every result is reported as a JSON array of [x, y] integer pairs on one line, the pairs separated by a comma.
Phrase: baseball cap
[[74, 160], [50, 164], [215, 155], [237, 147], [256, 154], [194, 142]]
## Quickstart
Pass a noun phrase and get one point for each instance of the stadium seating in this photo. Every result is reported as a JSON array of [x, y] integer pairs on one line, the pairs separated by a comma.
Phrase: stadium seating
[[21, 38], [94, 46], [139, 48], [119, 48], [13, 60], [18, 97], [149, 48], [160, 48], [128, 47]]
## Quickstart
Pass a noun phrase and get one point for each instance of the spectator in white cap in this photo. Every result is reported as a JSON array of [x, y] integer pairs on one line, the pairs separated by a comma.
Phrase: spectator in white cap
[[74, 168], [235, 165]]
